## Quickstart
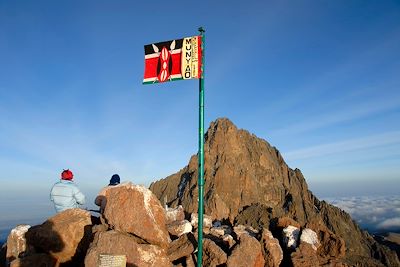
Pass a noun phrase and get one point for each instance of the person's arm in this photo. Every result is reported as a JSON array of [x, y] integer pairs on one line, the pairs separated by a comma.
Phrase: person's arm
[[51, 194], [101, 196], [79, 196], [98, 200]]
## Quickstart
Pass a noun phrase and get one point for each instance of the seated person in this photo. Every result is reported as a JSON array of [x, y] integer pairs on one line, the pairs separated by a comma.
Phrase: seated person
[[101, 198]]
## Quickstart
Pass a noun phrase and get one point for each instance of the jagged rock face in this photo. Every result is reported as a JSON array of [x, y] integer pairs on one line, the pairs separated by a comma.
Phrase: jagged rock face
[[337, 230], [331, 246], [240, 170], [256, 216], [243, 171]]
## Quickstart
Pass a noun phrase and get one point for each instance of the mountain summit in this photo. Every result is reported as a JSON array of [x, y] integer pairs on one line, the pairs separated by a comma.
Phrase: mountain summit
[[248, 182], [259, 213]]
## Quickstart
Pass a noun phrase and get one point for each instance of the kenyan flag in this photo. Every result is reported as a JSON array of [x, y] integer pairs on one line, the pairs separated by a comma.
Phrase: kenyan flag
[[172, 60]]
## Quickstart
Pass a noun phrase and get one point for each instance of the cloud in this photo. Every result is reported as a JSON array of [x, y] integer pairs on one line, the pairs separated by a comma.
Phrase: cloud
[[390, 223], [341, 115], [375, 213], [362, 143]]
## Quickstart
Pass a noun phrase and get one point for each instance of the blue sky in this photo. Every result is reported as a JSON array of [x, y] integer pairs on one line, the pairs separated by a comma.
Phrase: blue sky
[[319, 80]]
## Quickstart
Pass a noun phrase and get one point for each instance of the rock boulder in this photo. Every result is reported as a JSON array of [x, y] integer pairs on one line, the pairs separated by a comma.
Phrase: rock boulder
[[213, 255], [16, 242], [40, 259], [116, 243], [290, 236], [65, 236], [273, 253], [135, 209], [178, 228], [182, 247], [305, 256], [174, 214], [247, 253], [207, 220], [310, 237]]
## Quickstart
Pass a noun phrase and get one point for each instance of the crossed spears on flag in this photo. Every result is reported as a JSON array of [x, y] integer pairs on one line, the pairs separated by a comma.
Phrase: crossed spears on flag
[[176, 60], [173, 60]]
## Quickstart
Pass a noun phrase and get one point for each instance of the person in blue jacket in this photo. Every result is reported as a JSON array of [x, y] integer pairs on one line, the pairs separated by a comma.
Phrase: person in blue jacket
[[65, 194]]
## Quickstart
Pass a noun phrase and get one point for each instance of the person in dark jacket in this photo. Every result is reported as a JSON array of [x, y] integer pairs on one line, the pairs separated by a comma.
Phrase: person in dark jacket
[[101, 198], [65, 194], [115, 180]]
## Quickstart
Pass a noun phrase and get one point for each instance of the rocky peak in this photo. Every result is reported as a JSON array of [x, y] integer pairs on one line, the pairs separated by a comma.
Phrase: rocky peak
[[240, 170], [248, 181]]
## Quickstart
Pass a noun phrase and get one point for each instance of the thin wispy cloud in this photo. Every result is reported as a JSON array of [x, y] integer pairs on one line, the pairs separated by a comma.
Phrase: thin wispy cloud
[[362, 143], [340, 115], [390, 223]]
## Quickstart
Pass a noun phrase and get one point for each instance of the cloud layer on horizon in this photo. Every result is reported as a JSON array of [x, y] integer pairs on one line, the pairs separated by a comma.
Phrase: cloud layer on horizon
[[374, 213]]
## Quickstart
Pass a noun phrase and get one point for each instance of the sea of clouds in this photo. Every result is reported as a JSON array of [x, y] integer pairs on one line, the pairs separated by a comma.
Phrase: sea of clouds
[[373, 213]]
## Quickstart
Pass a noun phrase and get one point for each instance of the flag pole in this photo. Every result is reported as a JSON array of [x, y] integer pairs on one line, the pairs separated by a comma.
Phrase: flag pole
[[201, 153]]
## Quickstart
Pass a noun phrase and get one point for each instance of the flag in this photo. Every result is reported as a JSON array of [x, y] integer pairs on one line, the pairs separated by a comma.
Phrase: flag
[[172, 60]]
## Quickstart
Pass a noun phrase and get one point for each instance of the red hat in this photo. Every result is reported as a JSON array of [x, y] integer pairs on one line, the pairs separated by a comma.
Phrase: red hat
[[67, 175]]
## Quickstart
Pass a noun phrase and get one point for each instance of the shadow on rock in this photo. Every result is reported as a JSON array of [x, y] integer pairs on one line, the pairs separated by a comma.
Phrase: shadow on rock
[[44, 239], [62, 240], [392, 245], [3, 252]]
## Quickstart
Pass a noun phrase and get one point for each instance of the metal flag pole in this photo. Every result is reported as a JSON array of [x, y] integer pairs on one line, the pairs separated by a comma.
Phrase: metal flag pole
[[201, 153]]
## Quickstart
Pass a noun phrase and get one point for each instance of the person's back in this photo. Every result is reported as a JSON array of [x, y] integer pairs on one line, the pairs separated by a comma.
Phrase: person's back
[[65, 194]]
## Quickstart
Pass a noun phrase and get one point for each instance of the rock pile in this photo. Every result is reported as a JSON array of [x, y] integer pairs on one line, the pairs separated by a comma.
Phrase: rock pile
[[134, 224], [240, 245], [62, 239], [161, 237]]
